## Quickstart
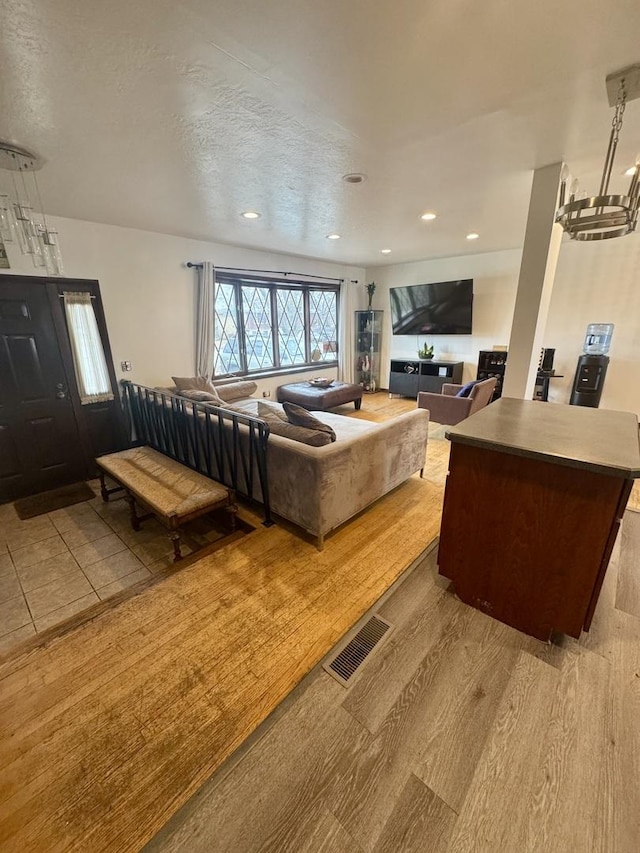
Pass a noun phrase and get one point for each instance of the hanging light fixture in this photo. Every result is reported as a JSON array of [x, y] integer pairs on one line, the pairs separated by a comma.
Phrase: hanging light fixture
[[19, 222], [604, 216]]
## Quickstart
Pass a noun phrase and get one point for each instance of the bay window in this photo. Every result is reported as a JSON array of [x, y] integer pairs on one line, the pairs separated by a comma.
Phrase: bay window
[[267, 325]]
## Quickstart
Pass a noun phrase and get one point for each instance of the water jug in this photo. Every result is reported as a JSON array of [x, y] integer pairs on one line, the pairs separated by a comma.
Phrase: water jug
[[598, 339]]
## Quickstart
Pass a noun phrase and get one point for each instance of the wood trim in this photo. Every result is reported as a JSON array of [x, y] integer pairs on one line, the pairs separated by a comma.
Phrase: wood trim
[[57, 314], [92, 286], [625, 492]]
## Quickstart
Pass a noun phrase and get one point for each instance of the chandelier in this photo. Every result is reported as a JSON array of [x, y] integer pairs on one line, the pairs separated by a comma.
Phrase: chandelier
[[604, 216], [20, 223]]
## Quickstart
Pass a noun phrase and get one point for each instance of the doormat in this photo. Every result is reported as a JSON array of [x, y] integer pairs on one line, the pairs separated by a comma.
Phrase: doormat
[[55, 499]]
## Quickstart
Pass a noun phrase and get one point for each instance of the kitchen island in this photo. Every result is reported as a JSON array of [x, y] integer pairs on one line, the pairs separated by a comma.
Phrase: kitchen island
[[533, 502]]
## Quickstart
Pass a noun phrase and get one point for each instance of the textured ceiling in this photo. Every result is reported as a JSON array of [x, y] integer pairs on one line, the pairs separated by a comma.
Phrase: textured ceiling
[[176, 116]]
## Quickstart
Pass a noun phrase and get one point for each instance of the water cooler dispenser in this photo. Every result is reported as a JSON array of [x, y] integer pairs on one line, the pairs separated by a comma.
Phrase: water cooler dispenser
[[592, 366]]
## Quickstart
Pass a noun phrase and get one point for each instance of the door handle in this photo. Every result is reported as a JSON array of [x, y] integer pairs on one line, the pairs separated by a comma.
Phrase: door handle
[[61, 392]]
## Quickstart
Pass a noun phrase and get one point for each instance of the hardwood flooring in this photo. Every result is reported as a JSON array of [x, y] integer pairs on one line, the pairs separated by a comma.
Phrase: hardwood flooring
[[459, 734], [634, 499], [107, 729]]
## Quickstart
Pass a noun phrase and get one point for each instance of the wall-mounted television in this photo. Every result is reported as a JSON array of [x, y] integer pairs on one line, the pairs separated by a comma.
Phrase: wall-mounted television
[[442, 308]]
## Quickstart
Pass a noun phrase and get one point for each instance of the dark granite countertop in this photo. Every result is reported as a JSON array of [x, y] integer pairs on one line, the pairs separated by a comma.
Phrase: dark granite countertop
[[593, 439]]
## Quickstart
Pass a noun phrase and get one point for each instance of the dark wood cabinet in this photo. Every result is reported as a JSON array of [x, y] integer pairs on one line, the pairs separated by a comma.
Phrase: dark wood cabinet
[[407, 378], [492, 365], [533, 502]]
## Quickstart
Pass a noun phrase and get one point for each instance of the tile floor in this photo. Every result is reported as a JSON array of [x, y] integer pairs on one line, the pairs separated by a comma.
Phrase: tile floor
[[56, 565]]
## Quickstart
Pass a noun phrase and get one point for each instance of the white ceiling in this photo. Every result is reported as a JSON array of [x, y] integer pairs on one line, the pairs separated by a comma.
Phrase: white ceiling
[[176, 116]]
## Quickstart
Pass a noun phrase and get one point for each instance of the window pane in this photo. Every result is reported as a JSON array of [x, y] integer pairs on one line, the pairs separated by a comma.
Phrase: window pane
[[227, 345], [271, 312], [291, 327], [256, 305], [90, 364], [323, 308]]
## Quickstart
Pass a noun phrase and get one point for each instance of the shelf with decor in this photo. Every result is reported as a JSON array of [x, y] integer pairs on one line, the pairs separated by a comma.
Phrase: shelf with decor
[[492, 365], [368, 342], [408, 377]]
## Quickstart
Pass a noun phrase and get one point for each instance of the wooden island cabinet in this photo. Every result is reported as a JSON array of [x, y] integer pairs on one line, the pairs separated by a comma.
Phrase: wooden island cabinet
[[533, 502]]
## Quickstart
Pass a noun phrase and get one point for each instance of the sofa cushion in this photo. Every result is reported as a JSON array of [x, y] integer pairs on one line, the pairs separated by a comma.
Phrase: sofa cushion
[[301, 417], [194, 383], [235, 390], [200, 396], [278, 426], [466, 389], [269, 408]]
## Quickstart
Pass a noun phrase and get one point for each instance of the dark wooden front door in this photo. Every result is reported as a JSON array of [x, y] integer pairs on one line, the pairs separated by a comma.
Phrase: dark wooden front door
[[40, 445]]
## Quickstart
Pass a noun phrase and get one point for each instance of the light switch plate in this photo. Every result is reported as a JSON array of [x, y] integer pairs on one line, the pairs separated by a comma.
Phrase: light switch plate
[[125, 366]]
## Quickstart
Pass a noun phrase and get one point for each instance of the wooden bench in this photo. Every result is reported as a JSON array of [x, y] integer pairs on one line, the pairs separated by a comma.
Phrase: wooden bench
[[172, 492]]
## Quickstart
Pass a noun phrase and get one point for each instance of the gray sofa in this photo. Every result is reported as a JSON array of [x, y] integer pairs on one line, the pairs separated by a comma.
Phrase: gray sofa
[[319, 488]]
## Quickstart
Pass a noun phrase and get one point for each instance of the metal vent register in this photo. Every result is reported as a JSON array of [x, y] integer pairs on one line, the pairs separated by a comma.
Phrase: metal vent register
[[344, 665]]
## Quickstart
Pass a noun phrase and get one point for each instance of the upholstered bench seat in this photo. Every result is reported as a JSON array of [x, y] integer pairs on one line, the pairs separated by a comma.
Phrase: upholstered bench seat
[[174, 493], [319, 399]]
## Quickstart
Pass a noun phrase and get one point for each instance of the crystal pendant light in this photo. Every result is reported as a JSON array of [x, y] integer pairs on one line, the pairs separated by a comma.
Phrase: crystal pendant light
[[18, 221], [7, 219]]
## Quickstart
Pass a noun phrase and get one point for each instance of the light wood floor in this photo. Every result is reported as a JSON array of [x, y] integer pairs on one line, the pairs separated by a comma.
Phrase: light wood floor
[[107, 730], [460, 734]]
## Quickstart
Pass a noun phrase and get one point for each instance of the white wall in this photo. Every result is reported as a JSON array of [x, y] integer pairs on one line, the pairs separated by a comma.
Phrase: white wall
[[495, 279], [595, 283], [148, 293], [598, 283]]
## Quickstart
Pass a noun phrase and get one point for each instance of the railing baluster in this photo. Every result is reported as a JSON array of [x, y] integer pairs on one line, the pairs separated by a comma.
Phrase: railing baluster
[[207, 441], [205, 438]]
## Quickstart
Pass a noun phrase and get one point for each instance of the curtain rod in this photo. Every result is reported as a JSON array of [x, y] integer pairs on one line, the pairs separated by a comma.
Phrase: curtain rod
[[192, 265], [61, 295]]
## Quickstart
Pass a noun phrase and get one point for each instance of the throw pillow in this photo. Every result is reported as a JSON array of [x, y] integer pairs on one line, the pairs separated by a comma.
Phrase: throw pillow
[[193, 383], [201, 396], [466, 389], [235, 390], [301, 417], [278, 426], [266, 410]]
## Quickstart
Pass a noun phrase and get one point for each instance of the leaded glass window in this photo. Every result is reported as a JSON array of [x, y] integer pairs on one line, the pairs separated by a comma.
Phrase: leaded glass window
[[269, 325]]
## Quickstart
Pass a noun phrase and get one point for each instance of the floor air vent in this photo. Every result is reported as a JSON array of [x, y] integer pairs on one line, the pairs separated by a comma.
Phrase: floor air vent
[[344, 665]]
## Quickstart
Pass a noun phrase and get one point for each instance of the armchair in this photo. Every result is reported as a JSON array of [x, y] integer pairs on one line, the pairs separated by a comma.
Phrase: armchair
[[446, 408]]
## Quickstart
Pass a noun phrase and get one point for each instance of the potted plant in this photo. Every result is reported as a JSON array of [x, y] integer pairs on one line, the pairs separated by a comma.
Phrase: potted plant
[[371, 289], [426, 352]]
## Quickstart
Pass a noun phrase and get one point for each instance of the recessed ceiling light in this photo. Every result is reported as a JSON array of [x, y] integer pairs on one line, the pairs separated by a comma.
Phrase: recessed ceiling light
[[354, 178], [472, 236], [631, 171], [385, 251], [251, 214], [333, 236], [427, 217]]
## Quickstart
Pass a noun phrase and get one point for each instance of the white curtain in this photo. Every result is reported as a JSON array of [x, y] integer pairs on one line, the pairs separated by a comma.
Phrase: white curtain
[[348, 302], [90, 364], [205, 311]]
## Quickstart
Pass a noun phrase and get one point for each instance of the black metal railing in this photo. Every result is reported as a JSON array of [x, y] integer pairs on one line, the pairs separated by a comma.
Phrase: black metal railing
[[227, 446]]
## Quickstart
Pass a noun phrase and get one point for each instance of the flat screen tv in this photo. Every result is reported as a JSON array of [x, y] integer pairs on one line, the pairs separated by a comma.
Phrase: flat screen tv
[[443, 308]]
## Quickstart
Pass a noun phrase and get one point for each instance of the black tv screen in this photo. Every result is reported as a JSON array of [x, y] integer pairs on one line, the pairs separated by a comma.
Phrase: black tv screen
[[443, 308]]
